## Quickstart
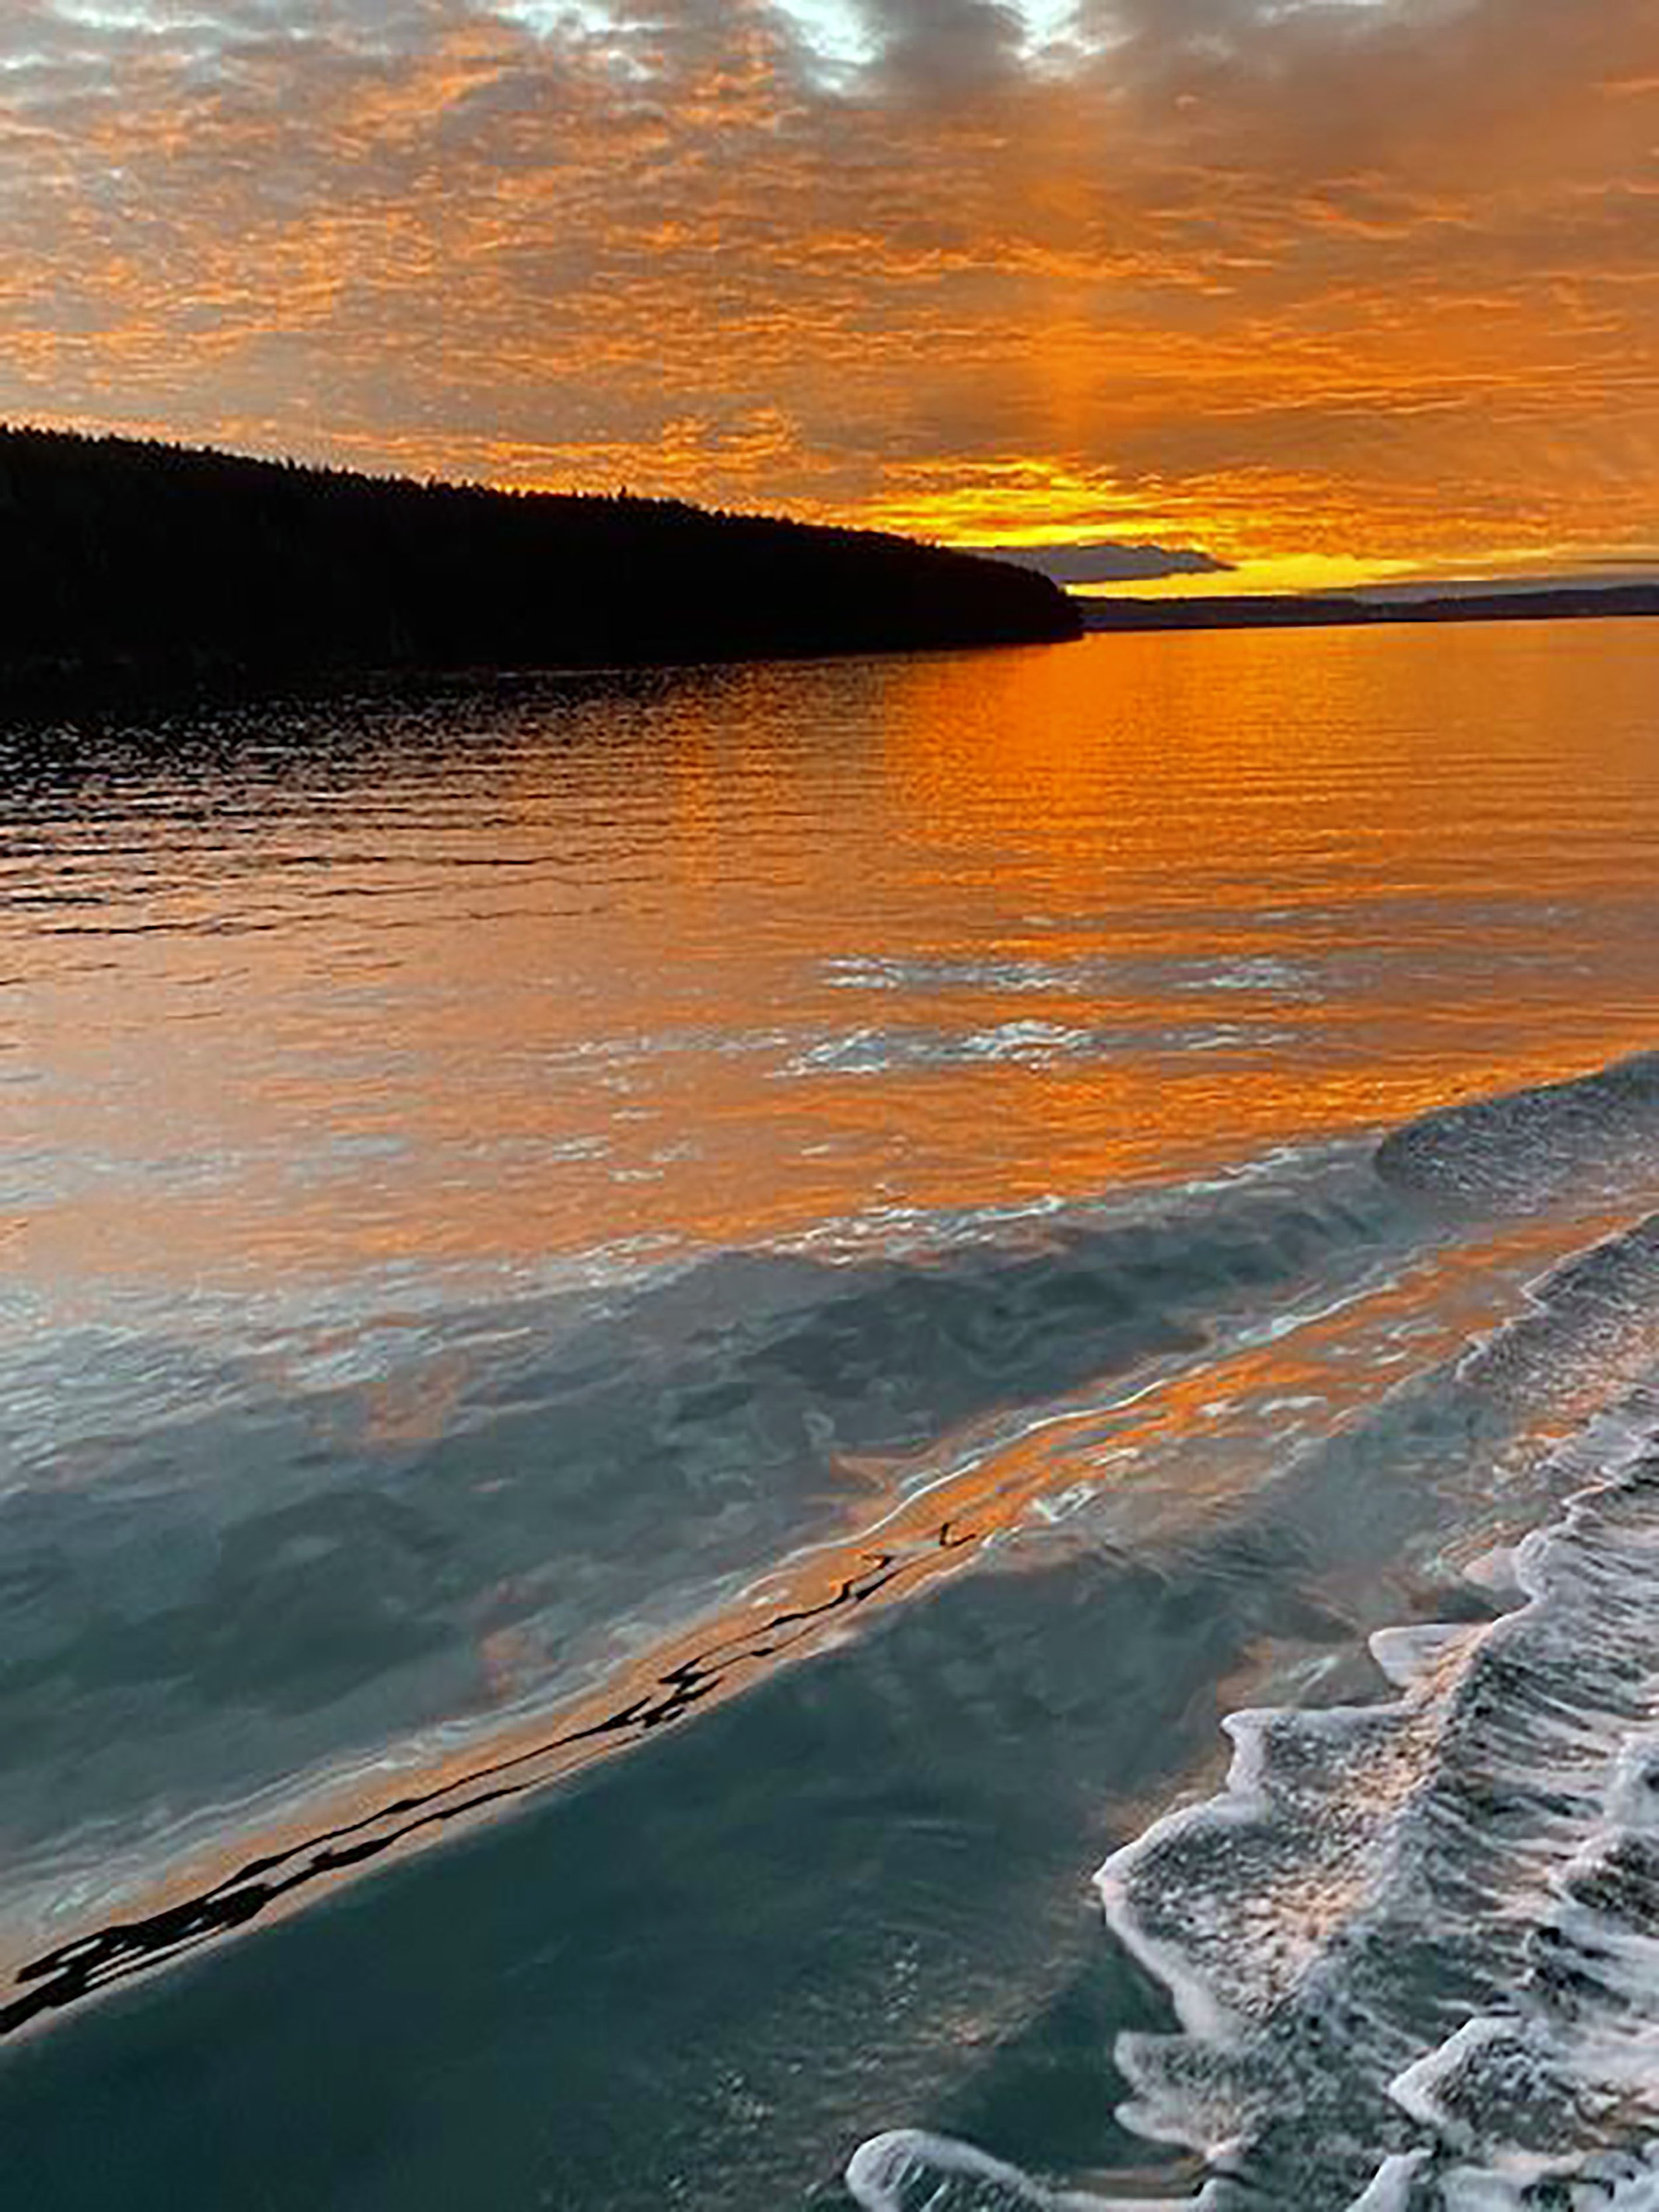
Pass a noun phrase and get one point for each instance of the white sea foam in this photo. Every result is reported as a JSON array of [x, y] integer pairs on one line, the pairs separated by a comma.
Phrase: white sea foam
[[910, 2171], [1413, 1946]]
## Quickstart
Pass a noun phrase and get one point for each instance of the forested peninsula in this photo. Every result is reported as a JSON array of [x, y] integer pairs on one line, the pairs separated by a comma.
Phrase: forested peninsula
[[123, 560]]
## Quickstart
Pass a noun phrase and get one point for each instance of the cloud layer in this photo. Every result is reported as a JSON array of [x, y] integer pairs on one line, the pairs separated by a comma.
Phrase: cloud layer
[[1368, 278], [1110, 564]]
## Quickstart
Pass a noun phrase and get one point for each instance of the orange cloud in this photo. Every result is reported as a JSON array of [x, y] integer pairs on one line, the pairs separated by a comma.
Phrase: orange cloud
[[1310, 286]]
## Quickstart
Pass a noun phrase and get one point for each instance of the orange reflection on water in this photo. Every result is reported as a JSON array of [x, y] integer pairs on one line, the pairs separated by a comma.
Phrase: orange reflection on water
[[761, 951]]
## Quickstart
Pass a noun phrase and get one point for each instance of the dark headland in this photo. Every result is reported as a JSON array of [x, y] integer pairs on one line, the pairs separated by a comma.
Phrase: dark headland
[[123, 560]]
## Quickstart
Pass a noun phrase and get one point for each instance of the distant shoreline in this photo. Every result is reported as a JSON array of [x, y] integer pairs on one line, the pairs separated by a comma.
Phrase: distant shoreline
[[1570, 603]]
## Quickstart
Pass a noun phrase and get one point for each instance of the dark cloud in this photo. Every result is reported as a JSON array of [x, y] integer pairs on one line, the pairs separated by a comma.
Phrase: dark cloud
[[943, 47], [1109, 564]]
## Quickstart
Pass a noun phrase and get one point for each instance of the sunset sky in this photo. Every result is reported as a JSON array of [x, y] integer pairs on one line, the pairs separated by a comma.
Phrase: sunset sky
[[1325, 292]]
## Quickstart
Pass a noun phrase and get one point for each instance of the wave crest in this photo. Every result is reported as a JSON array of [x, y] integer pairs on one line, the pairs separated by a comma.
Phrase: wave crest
[[1525, 1149]]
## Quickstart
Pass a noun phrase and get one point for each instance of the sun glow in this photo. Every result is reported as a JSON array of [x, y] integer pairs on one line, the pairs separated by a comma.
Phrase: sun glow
[[1333, 312]]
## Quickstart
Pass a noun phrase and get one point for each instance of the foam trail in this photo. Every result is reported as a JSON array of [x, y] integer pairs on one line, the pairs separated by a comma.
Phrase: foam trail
[[909, 2170], [1414, 1948]]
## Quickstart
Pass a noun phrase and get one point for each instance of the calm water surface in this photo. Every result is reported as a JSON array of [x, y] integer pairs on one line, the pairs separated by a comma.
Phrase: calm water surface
[[671, 1345]]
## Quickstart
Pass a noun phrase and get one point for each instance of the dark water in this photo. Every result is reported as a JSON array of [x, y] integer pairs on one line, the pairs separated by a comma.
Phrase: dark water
[[672, 1346]]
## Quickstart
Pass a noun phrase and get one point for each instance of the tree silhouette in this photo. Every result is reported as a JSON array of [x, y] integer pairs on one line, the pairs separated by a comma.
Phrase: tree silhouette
[[124, 558]]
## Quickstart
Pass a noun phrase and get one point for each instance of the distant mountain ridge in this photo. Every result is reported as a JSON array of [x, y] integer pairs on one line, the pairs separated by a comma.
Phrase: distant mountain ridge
[[123, 558]]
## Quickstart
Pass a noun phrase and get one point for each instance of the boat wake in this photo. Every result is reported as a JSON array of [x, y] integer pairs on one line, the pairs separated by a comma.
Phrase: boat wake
[[1412, 1946]]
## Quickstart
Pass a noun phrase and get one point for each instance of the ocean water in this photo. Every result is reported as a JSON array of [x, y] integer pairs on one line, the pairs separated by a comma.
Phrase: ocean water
[[873, 1434]]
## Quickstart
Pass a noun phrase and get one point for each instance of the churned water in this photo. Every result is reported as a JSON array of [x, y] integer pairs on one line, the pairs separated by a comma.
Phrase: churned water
[[876, 1433]]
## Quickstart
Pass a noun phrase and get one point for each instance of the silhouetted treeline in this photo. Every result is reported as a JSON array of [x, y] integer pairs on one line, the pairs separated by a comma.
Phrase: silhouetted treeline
[[120, 557], [1552, 603]]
